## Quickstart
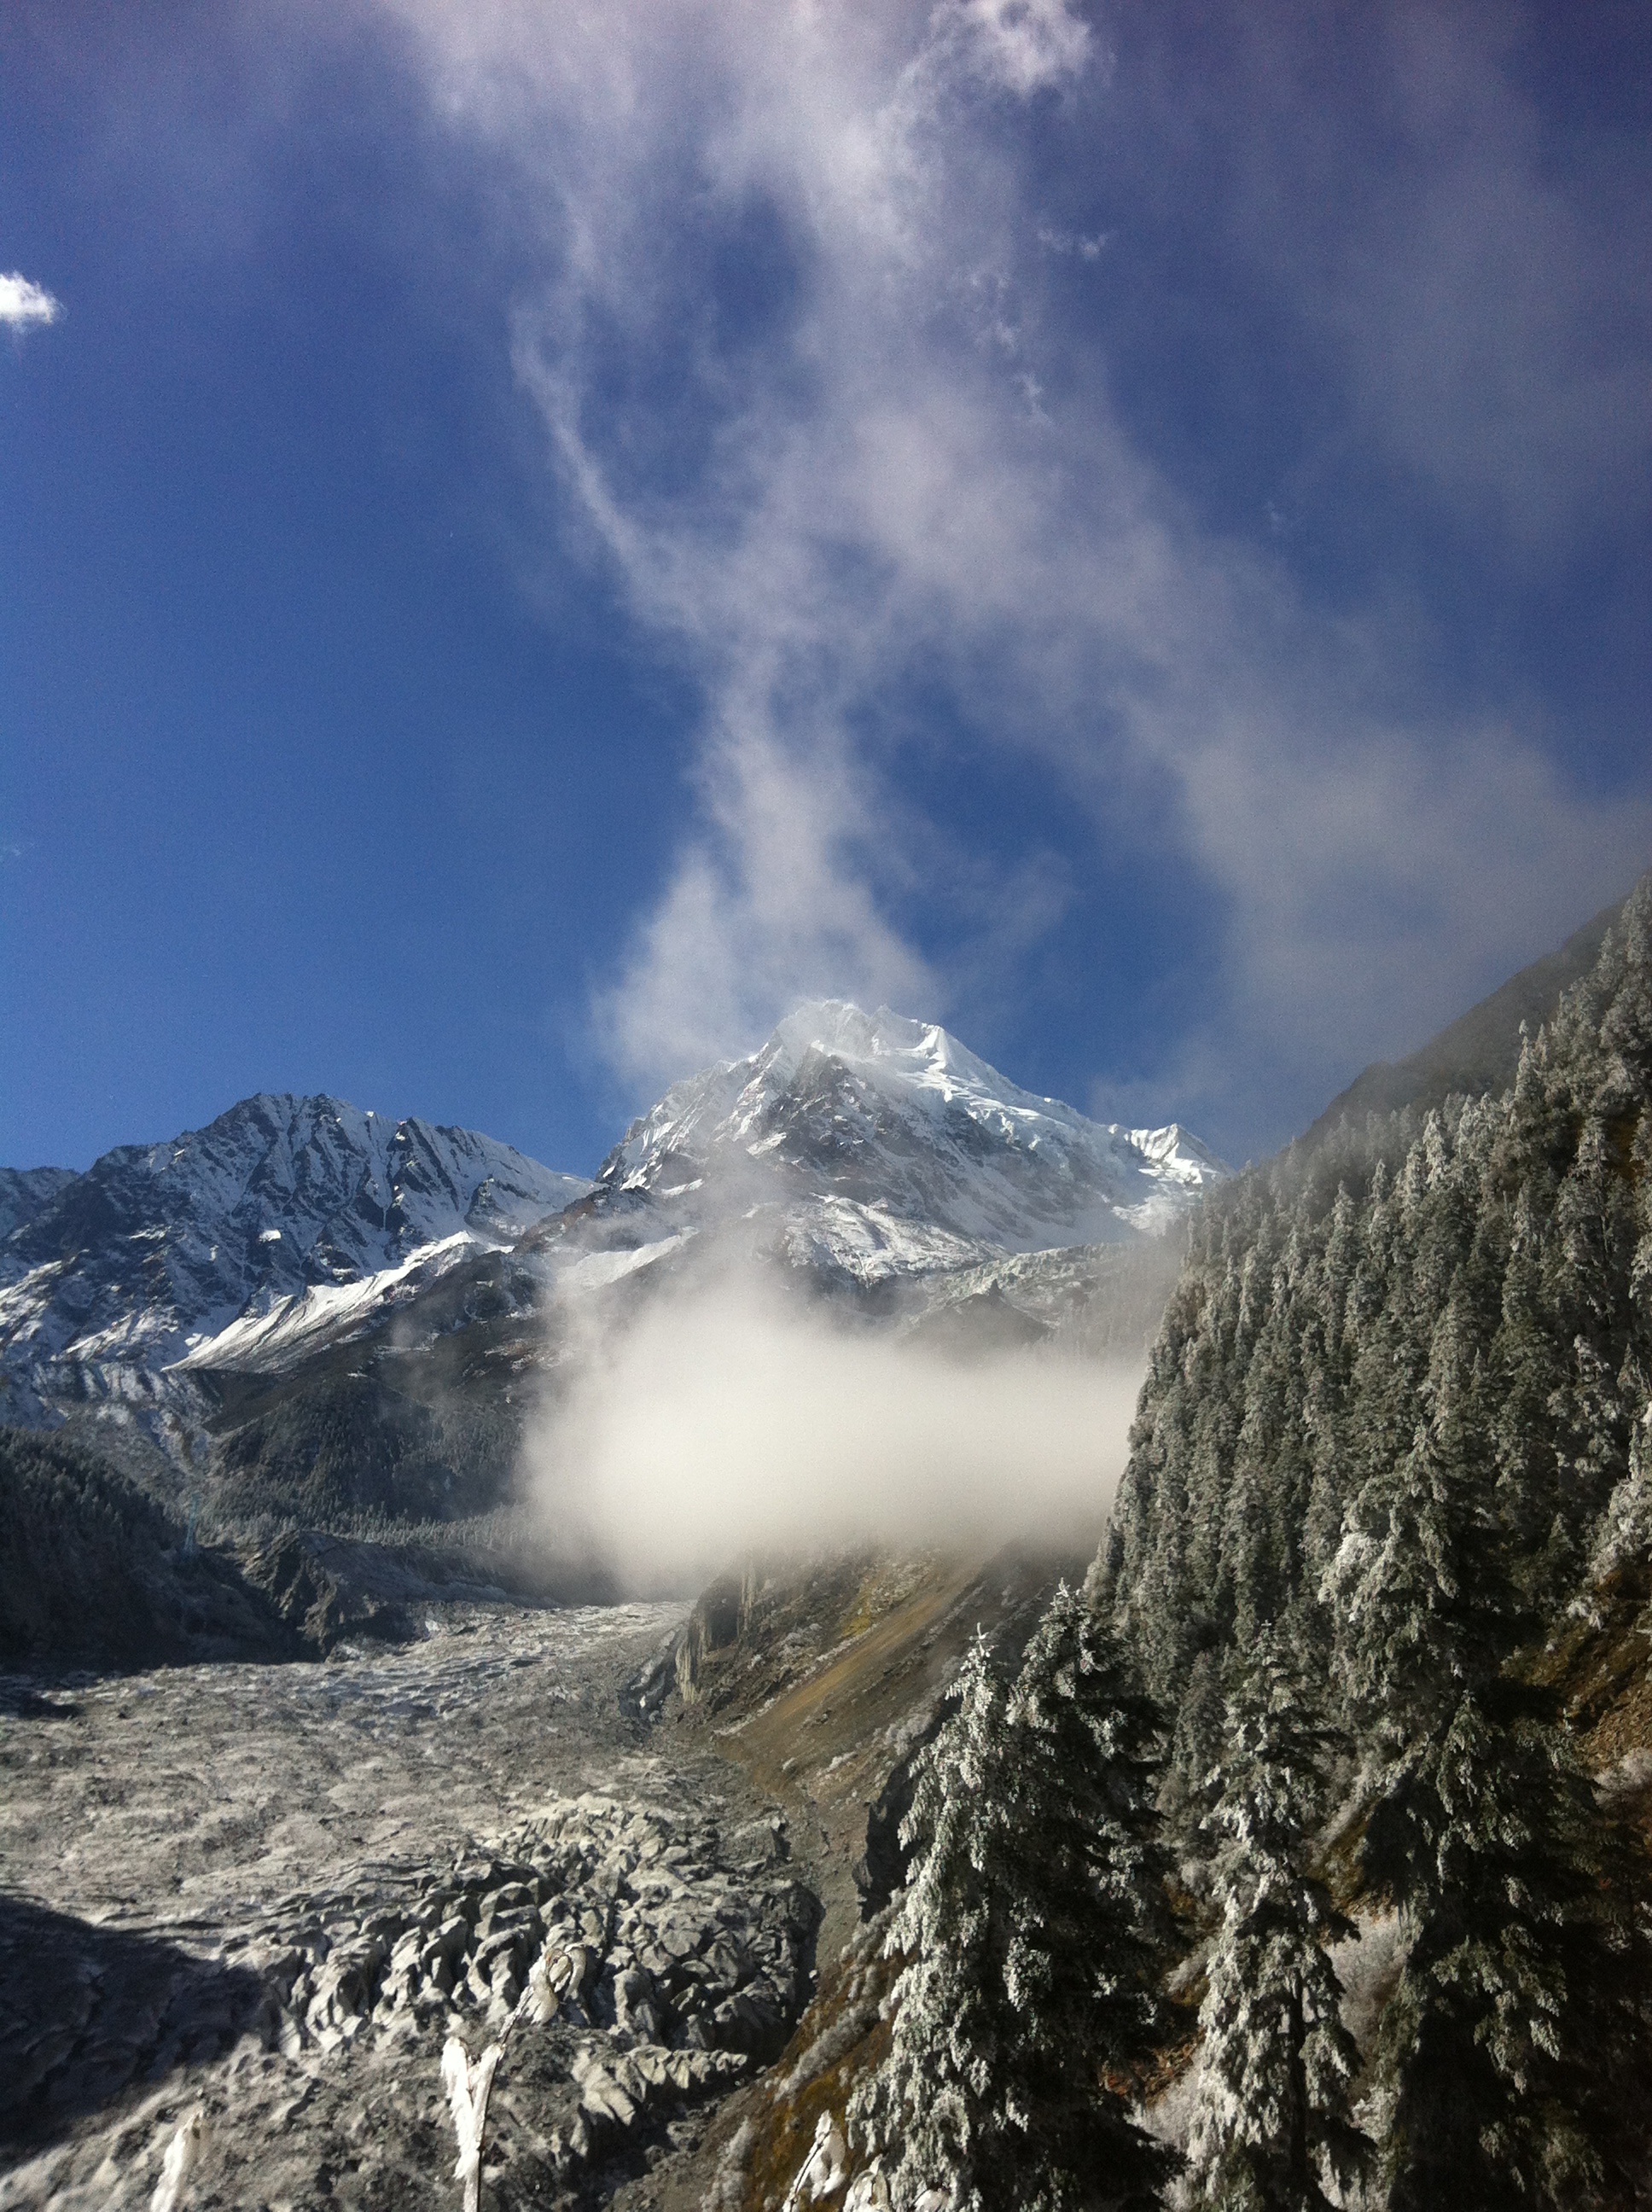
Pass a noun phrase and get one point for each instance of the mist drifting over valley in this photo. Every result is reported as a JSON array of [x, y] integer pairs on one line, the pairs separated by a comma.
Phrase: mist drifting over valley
[[857, 1288], [733, 1417]]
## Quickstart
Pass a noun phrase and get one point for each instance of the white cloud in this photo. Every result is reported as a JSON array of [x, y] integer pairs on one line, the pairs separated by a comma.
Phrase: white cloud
[[763, 910], [728, 1420], [864, 490], [24, 305], [1021, 45]]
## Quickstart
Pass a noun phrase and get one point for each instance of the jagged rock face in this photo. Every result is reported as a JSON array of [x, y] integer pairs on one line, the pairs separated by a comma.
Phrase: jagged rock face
[[159, 1248], [845, 1114], [25, 1192]]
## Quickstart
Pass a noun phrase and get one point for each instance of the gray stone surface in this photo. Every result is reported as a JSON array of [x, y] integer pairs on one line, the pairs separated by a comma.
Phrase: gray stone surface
[[270, 1894]]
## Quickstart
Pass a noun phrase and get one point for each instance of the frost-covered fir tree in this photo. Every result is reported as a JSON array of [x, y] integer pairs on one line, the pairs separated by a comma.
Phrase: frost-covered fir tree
[[1519, 2038], [931, 2108], [1090, 1928], [1036, 1928], [1273, 2122]]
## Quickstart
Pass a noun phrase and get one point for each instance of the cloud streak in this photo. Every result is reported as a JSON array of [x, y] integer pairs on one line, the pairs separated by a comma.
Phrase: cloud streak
[[894, 456]]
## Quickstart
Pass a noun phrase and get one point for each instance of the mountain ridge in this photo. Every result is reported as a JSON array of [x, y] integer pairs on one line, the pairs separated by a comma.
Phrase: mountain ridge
[[25, 1192], [1480, 1050], [158, 1247], [882, 1111], [340, 1323]]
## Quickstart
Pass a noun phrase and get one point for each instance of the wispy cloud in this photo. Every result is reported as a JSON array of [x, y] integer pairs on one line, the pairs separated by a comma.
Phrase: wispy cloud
[[1490, 301], [897, 458], [26, 306]]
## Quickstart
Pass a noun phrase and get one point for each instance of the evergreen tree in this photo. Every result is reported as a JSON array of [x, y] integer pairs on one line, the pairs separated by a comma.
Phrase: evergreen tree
[[932, 2106], [1515, 2040], [1528, 1360], [1089, 1925], [1036, 1928], [1589, 1260], [1272, 2124]]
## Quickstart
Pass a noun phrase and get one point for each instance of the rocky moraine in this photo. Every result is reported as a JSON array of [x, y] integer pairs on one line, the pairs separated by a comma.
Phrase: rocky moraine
[[269, 1894]]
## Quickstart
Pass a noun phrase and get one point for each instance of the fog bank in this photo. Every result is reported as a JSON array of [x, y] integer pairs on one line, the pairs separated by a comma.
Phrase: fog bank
[[726, 1419]]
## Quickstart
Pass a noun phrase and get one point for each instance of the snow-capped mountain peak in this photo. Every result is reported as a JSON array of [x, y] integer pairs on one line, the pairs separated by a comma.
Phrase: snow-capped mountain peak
[[856, 1149], [158, 1247], [879, 1113], [890, 1049]]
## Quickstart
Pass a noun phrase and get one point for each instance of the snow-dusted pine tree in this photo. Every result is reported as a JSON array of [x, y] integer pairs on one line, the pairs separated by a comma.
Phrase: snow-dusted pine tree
[[1519, 2034], [1090, 1925], [932, 2105], [1036, 1929], [1271, 2121]]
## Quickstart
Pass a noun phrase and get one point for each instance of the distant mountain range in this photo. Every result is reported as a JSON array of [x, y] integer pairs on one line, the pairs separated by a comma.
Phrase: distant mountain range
[[257, 1292], [340, 1312], [870, 1145], [157, 1249]]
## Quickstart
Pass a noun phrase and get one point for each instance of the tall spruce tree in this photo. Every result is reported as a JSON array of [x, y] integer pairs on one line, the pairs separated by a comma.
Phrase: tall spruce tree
[[1271, 2121], [1036, 1929], [1091, 1931], [1517, 2039], [934, 2106]]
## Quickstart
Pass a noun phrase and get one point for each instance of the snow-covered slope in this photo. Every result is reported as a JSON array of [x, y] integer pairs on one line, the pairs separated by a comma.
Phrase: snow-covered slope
[[863, 1153], [887, 1147], [157, 1249]]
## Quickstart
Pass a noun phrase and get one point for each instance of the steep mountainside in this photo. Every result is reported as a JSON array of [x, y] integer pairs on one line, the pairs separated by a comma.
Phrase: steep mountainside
[[159, 1248], [92, 1571], [1507, 1237], [1480, 1050], [25, 1192]]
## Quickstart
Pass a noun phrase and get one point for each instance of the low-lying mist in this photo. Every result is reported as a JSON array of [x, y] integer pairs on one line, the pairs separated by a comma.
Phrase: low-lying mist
[[729, 1418]]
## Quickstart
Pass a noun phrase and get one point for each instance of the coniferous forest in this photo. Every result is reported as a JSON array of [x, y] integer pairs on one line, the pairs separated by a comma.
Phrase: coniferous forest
[[1391, 1465]]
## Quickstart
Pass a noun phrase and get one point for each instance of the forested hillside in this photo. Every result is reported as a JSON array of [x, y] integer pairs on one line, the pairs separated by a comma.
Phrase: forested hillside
[[1393, 1446], [1390, 1484], [1422, 1334]]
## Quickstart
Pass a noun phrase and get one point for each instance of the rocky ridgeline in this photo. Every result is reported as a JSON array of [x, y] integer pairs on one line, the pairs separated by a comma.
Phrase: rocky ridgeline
[[678, 1957]]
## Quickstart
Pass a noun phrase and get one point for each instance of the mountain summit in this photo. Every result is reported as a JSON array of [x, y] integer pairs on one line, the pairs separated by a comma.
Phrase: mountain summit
[[157, 1248], [873, 1160], [870, 1146], [870, 1131]]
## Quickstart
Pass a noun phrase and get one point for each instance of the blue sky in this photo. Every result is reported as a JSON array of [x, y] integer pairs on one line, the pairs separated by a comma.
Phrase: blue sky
[[533, 539]]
